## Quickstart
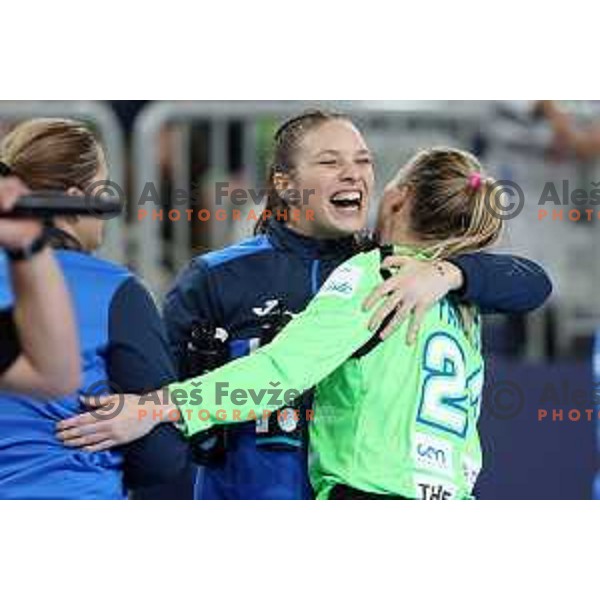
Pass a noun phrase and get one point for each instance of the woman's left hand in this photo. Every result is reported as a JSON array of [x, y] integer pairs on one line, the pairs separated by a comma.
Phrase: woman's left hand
[[115, 420], [412, 291]]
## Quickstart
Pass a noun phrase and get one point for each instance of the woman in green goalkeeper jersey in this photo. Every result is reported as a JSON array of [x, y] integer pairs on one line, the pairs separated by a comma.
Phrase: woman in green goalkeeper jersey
[[391, 420]]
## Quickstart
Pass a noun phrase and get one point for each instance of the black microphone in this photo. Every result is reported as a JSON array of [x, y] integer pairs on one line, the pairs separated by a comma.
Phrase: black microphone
[[39, 205]]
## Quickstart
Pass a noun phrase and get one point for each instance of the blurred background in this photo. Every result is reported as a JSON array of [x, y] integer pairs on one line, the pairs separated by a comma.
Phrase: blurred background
[[158, 149]]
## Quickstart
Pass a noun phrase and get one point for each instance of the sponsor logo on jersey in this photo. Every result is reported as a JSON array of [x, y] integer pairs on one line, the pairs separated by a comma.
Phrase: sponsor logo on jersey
[[342, 282], [432, 453], [434, 489]]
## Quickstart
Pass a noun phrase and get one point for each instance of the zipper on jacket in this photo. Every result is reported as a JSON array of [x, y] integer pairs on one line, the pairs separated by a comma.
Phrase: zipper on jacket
[[314, 277]]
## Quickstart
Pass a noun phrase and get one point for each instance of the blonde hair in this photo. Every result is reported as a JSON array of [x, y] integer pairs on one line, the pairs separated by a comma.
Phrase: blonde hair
[[454, 207], [53, 154]]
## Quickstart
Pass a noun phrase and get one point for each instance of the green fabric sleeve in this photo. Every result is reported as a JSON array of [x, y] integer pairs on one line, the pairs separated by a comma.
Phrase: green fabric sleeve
[[313, 345]]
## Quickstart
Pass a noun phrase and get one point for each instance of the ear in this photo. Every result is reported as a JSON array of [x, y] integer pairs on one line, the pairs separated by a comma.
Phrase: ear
[[74, 191], [394, 200], [281, 183]]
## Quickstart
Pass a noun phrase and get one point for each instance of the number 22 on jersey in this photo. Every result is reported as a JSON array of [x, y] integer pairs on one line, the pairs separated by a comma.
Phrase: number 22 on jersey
[[449, 397]]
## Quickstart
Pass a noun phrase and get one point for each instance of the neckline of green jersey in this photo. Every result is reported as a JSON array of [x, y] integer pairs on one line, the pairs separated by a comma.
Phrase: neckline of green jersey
[[412, 251]]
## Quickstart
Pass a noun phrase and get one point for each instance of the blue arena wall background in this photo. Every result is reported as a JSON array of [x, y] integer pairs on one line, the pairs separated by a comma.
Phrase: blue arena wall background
[[528, 458]]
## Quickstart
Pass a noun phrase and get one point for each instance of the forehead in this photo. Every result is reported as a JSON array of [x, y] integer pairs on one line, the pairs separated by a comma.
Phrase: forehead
[[337, 135]]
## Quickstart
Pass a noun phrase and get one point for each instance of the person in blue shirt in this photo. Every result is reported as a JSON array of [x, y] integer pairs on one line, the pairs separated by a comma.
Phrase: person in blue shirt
[[122, 341], [38, 344], [248, 291]]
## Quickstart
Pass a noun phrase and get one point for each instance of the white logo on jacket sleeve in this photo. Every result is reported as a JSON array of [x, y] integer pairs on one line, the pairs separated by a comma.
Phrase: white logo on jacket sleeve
[[288, 420], [263, 311], [432, 453], [343, 282]]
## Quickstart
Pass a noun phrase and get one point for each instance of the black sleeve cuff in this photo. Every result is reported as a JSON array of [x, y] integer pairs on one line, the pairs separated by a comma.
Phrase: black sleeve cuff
[[10, 347]]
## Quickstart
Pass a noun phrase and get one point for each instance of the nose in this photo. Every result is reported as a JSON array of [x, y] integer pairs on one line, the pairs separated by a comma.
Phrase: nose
[[350, 172]]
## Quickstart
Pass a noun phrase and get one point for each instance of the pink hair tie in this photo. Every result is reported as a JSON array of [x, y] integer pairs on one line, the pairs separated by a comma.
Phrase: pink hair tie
[[474, 180]]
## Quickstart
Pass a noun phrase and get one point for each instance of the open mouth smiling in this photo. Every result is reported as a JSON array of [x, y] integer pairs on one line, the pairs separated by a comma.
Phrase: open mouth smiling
[[350, 200]]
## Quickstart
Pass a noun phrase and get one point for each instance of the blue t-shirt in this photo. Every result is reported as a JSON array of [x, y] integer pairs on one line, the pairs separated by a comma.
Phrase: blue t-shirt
[[123, 347]]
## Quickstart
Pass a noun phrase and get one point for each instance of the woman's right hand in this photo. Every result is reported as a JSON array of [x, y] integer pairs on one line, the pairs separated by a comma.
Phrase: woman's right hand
[[15, 233], [100, 429]]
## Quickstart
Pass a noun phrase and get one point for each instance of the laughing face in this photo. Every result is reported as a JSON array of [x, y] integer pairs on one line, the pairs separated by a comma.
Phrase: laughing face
[[334, 173]]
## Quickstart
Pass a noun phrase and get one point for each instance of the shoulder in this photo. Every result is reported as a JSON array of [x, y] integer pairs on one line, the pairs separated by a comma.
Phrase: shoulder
[[132, 293], [363, 264], [236, 252], [205, 267], [133, 311], [357, 272], [85, 269], [72, 259]]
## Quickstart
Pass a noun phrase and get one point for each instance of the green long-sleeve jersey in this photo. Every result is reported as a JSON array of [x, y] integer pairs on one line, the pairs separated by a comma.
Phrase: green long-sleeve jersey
[[399, 419]]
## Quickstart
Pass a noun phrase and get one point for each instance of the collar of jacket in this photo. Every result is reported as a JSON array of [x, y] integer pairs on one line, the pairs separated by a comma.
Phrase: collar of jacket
[[412, 251], [284, 238]]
